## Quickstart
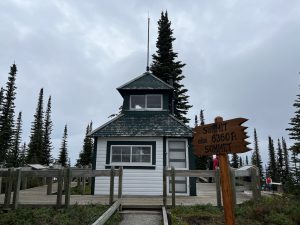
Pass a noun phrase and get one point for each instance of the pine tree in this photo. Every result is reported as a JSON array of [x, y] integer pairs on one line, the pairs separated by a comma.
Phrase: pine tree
[[14, 154], [23, 155], [63, 154], [295, 168], [85, 156], [279, 159], [247, 161], [7, 114], [1, 104], [196, 121], [202, 121], [285, 157], [256, 158], [241, 162], [272, 168], [47, 144], [35, 146], [167, 69], [235, 160]]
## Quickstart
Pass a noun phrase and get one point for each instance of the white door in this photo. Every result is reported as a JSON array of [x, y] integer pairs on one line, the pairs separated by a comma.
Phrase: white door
[[178, 158]]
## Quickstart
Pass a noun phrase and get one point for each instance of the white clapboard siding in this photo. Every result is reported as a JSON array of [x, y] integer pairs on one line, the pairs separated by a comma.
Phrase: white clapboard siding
[[135, 181]]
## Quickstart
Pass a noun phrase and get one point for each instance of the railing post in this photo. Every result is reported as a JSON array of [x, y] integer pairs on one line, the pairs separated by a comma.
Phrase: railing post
[[255, 183], [232, 173], [112, 179], [59, 188], [83, 184], [120, 186], [24, 182], [218, 188], [49, 185], [8, 188], [0, 184], [68, 187], [173, 186], [164, 186], [17, 189]]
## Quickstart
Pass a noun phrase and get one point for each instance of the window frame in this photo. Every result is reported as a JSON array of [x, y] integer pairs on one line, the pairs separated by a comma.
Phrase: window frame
[[146, 103], [131, 163]]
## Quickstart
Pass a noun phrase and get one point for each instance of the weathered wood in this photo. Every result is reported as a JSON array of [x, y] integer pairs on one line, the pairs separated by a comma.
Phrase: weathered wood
[[0, 184], [192, 173], [17, 189], [108, 213], [165, 216], [68, 187], [164, 186], [218, 188], [24, 182], [255, 184], [111, 186], [8, 188], [173, 186], [226, 190], [232, 176], [59, 188], [120, 185], [49, 185], [242, 173], [83, 185]]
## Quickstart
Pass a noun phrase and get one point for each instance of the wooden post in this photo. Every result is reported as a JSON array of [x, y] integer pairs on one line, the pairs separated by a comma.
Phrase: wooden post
[[8, 188], [111, 188], [120, 186], [255, 185], [218, 188], [49, 185], [24, 183], [17, 189], [0, 184], [164, 186], [232, 174], [44, 180], [59, 188], [173, 186], [68, 187], [83, 185]]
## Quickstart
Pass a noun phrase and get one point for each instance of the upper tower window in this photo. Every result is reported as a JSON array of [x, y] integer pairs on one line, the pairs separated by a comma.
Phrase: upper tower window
[[148, 102]]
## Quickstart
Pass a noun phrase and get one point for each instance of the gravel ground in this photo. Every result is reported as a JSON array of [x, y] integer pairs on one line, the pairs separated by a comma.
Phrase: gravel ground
[[141, 218]]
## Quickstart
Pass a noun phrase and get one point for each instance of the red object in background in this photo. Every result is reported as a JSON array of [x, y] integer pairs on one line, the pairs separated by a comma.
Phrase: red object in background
[[268, 180], [215, 163]]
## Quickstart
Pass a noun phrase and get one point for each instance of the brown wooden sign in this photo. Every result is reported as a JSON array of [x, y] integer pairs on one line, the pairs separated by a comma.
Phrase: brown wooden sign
[[221, 137]]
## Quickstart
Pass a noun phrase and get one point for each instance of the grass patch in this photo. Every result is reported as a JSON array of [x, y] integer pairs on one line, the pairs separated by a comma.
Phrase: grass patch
[[267, 211], [77, 190], [76, 214]]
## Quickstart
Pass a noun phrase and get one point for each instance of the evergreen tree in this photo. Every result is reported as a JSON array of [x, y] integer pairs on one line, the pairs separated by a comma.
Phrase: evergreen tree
[[235, 160], [241, 162], [196, 121], [256, 158], [7, 114], [272, 168], [285, 157], [202, 122], [63, 154], [279, 159], [13, 157], [35, 146], [85, 156], [167, 69], [47, 144], [295, 168], [247, 161], [23, 155], [1, 104]]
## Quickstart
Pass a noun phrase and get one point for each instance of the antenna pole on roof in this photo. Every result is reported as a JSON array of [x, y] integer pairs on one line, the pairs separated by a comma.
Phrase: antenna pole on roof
[[147, 68]]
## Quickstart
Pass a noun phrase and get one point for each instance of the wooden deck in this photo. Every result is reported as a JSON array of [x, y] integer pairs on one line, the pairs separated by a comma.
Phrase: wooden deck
[[206, 194]]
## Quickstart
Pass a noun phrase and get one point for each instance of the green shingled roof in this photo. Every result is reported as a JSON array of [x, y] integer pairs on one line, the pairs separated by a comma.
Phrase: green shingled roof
[[149, 124], [146, 81]]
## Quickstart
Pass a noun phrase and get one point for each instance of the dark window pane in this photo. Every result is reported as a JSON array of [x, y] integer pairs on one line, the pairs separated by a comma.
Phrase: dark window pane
[[126, 158], [116, 158], [146, 158], [137, 101], [154, 101]]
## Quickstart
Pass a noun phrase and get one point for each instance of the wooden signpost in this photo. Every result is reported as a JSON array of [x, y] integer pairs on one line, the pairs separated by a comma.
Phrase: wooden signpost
[[221, 138]]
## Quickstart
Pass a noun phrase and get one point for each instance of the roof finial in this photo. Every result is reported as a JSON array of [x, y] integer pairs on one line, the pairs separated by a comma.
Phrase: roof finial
[[147, 68]]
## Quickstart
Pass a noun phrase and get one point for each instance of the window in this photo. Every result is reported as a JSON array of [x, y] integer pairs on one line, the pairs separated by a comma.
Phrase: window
[[131, 154], [150, 102]]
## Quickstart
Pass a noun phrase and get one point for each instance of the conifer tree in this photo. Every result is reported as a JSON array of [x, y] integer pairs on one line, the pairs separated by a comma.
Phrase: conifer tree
[[23, 155], [47, 144], [272, 168], [7, 114], [279, 159], [14, 154], [35, 146], [256, 158], [285, 158], [196, 121], [235, 160], [1, 103], [295, 168], [63, 154], [85, 156], [247, 161], [202, 121], [165, 67], [241, 162]]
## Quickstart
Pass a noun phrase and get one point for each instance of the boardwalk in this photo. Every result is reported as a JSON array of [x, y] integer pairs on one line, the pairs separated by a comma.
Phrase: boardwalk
[[206, 193]]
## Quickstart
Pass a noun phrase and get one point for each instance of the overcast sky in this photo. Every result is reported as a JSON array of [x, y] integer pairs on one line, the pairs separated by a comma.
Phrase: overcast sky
[[242, 59]]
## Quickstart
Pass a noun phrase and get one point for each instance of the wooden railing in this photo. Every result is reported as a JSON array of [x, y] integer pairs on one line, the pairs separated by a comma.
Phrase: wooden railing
[[14, 177], [172, 173]]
